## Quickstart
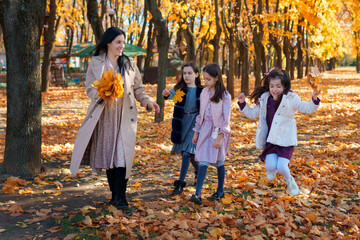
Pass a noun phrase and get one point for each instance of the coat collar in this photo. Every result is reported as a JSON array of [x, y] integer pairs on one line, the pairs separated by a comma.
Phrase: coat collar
[[100, 58]]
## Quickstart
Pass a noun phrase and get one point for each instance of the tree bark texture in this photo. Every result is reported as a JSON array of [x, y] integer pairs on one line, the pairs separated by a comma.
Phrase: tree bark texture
[[244, 53], [150, 43], [163, 42], [22, 23], [216, 39], [229, 30], [95, 19], [49, 39], [300, 68]]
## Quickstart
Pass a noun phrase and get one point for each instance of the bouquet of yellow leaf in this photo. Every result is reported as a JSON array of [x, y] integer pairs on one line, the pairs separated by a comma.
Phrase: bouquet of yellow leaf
[[178, 97], [109, 85], [314, 79]]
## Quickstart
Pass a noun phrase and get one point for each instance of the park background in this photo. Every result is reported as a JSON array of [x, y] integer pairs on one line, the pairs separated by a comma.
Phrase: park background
[[43, 103]]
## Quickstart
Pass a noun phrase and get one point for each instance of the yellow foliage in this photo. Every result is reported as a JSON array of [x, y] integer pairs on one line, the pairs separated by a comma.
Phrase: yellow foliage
[[109, 85]]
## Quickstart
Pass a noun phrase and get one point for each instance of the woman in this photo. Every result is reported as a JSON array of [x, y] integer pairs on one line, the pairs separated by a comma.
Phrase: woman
[[106, 138]]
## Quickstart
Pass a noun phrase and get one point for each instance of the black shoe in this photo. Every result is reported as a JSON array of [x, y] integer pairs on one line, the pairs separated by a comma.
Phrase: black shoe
[[196, 199], [179, 187], [216, 197], [122, 204], [113, 201]]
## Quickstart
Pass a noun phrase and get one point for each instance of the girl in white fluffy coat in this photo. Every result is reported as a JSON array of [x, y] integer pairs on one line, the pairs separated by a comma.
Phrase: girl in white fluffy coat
[[276, 132]]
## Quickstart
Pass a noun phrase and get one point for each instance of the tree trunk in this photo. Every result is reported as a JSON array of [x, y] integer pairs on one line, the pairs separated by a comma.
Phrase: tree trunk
[[356, 33], [300, 57], [163, 42], [307, 58], [150, 44], [49, 39], [286, 45], [257, 32], [216, 40], [230, 80], [292, 62], [191, 46], [140, 59], [24, 22], [244, 53], [95, 19]]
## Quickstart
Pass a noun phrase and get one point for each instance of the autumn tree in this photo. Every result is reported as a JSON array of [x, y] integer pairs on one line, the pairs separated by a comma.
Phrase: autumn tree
[[216, 40], [163, 42], [22, 23], [228, 14], [95, 19], [257, 36], [51, 26]]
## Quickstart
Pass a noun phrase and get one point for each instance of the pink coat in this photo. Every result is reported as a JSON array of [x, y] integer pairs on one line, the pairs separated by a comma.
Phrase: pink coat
[[221, 116], [133, 89]]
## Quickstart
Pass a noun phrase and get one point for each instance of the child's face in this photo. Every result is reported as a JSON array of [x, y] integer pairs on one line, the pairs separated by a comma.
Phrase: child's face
[[189, 75], [209, 81], [276, 88]]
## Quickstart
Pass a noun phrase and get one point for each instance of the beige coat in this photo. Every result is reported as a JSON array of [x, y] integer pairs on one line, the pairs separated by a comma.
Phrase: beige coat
[[133, 89]]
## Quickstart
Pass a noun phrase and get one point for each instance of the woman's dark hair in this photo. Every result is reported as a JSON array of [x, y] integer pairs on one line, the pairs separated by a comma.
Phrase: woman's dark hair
[[181, 84], [265, 81], [109, 35], [214, 71]]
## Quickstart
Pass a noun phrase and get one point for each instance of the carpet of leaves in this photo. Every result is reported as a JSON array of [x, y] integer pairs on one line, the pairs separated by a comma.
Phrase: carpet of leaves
[[325, 165]]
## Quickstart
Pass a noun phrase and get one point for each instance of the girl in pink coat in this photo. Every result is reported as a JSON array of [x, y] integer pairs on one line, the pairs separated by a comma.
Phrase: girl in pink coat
[[212, 130]]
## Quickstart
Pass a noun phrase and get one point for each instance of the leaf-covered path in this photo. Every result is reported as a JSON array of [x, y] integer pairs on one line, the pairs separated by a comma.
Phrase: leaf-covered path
[[325, 164]]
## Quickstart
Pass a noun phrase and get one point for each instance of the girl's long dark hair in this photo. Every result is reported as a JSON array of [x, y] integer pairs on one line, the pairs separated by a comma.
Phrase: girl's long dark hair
[[181, 84], [265, 81], [214, 71], [109, 35]]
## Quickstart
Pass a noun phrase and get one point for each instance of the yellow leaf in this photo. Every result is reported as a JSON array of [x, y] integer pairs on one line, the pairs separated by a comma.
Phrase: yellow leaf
[[178, 96], [227, 200], [137, 185]]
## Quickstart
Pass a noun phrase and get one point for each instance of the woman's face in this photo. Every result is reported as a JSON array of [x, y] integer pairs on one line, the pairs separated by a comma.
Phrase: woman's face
[[189, 75], [276, 88], [209, 81], [116, 47]]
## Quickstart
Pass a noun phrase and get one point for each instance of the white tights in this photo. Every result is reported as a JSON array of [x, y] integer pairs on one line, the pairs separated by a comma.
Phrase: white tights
[[274, 162]]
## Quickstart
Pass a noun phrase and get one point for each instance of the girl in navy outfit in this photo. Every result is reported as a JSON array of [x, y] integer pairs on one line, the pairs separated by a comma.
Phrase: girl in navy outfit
[[183, 121], [276, 132]]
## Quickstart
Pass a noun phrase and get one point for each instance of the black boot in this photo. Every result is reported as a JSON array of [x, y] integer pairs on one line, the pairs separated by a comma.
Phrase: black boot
[[179, 187], [111, 177], [122, 202], [121, 184]]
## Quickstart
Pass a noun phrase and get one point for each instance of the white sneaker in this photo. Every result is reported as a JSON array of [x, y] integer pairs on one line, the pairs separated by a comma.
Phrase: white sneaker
[[292, 187], [271, 175]]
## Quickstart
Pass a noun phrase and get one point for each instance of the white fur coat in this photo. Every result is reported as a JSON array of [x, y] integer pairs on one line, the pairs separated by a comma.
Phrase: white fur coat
[[283, 131]]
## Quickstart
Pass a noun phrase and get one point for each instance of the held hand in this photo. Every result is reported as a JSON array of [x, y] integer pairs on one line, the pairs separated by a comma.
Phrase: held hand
[[154, 106], [165, 93], [218, 141], [195, 138], [241, 97], [315, 94]]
